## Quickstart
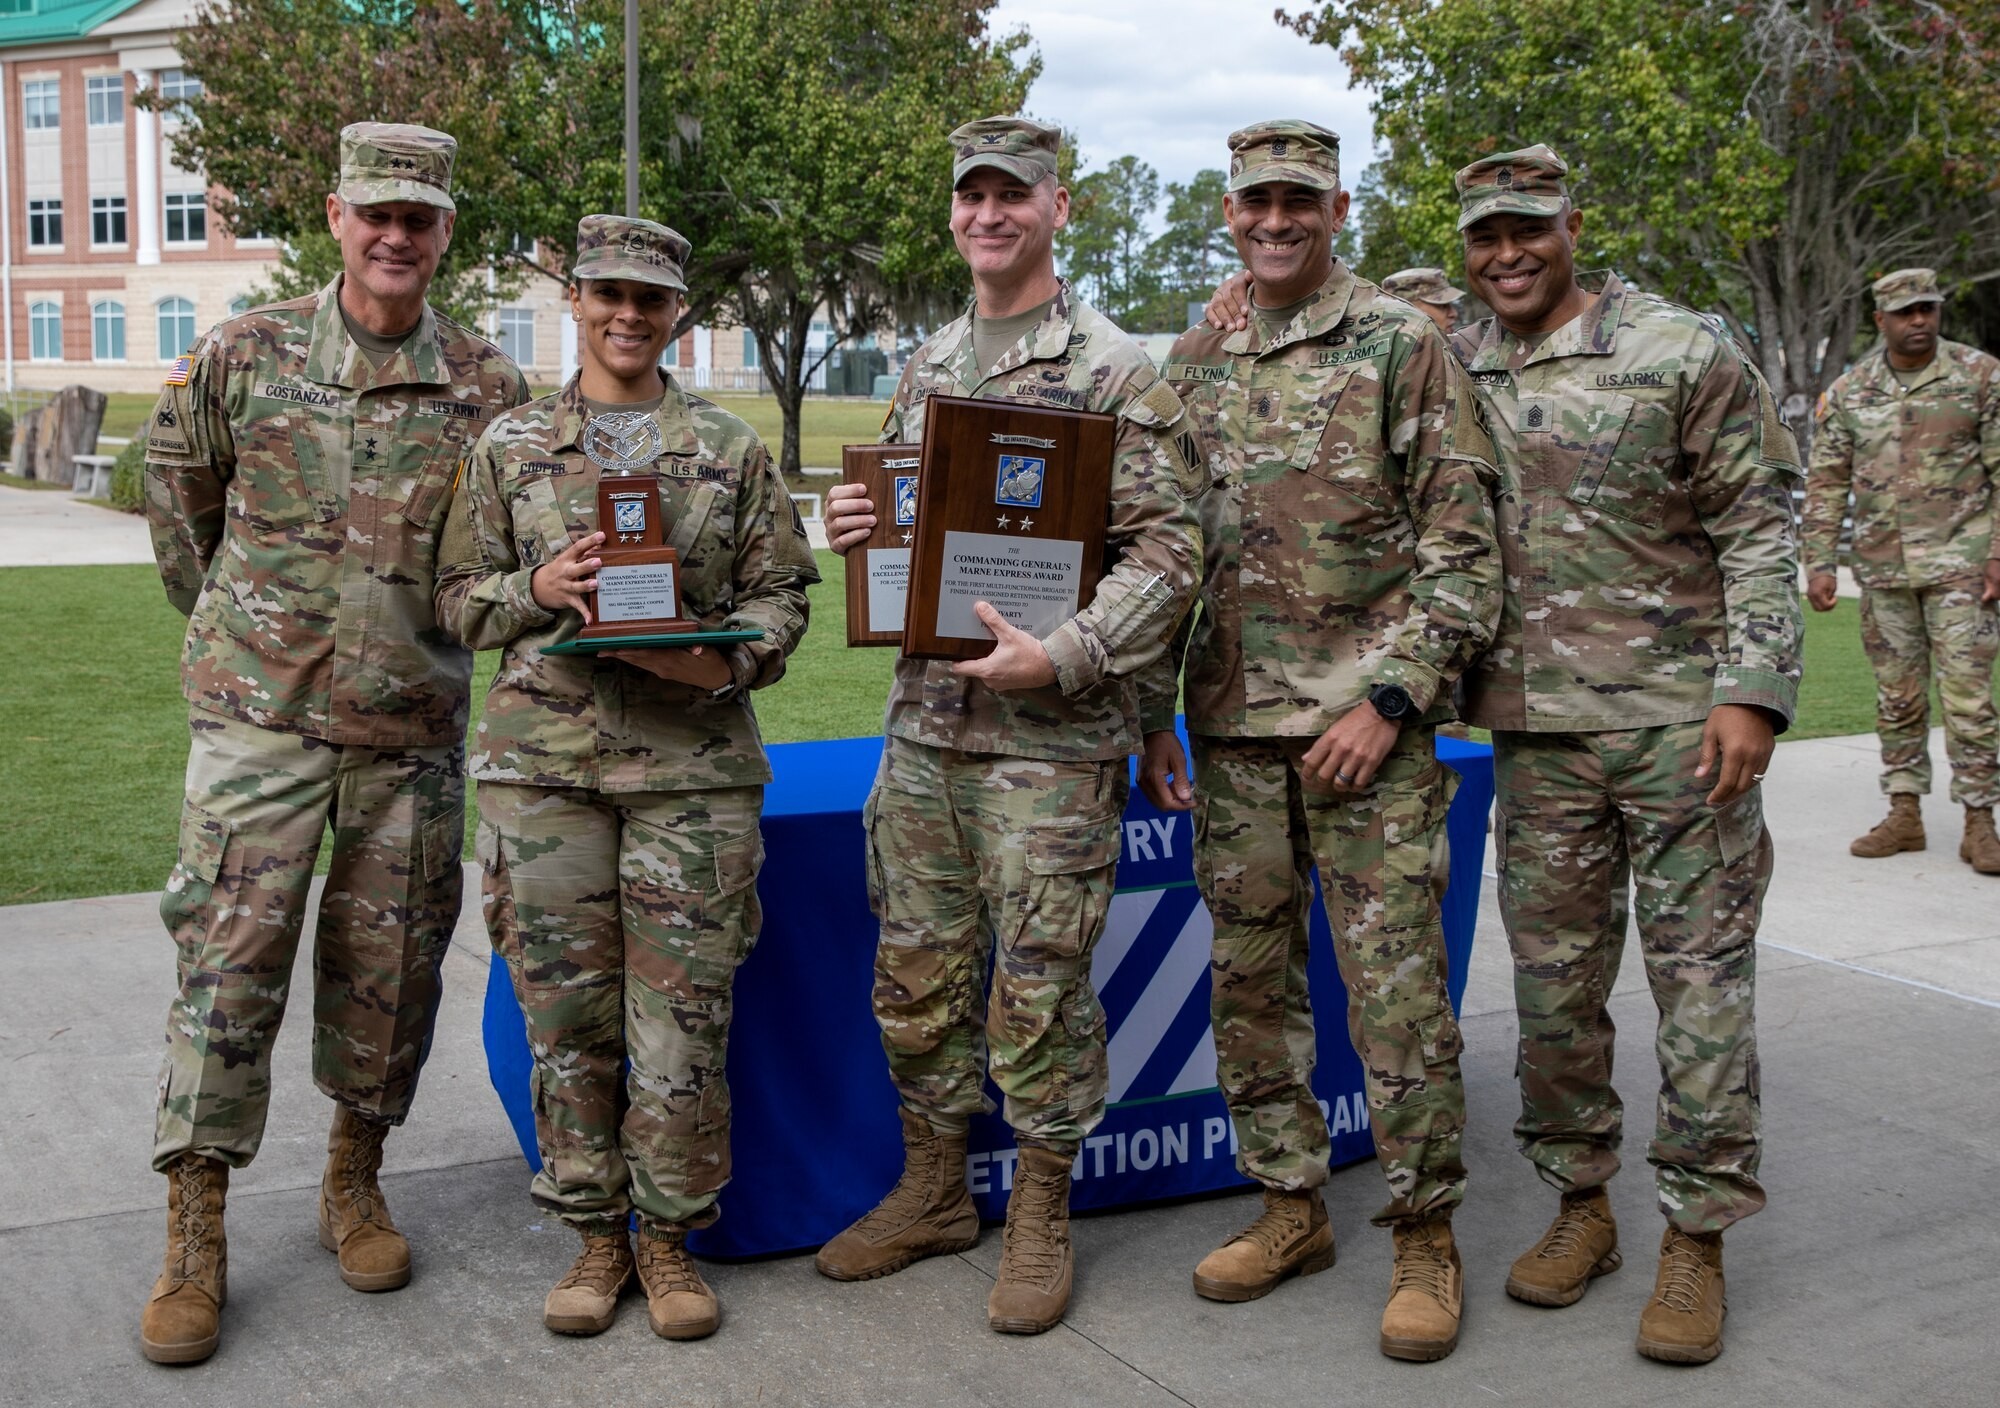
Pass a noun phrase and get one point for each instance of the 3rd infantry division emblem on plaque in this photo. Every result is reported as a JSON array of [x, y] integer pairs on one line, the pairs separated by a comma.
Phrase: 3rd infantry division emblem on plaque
[[1020, 481]]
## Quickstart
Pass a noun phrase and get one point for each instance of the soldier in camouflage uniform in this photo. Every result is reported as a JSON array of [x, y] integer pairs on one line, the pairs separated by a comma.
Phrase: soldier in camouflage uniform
[[1430, 291], [298, 466], [1648, 652], [620, 793], [1351, 576], [1003, 780], [1913, 429]]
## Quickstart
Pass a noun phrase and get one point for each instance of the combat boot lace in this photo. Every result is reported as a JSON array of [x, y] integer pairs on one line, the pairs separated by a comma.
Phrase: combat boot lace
[[1902, 830], [585, 1301], [678, 1302], [1682, 1323], [1981, 847], [1291, 1237], [928, 1212], [182, 1321], [1426, 1292], [1036, 1263], [1580, 1245], [353, 1218]]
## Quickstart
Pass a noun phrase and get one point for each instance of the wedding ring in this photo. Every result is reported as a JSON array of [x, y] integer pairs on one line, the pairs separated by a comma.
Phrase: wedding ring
[[1343, 777]]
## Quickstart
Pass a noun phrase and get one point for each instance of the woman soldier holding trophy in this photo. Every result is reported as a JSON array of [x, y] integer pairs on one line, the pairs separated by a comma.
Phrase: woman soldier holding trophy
[[621, 780]]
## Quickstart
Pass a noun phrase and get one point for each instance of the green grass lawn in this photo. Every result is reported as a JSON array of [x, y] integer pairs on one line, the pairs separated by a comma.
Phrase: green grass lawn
[[93, 733], [93, 730]]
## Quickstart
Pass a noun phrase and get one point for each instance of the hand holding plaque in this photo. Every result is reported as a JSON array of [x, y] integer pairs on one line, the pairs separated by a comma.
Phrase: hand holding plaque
[[878, 568], [1011, 508]]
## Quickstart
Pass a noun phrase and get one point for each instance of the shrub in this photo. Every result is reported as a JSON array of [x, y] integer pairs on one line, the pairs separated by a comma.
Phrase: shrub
[[6, 433], [128, 479]]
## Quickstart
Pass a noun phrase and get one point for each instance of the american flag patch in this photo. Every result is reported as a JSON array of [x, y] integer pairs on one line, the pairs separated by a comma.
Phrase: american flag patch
[[178, 373]]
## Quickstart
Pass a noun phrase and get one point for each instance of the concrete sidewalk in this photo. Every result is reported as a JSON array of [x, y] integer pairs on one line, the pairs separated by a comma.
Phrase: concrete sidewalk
[[1870, 1279], [48, 528]]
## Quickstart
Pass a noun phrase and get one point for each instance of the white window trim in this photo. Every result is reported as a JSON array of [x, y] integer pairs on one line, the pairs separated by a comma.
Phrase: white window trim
[[60, 330], [112, 246], [166, 240], [29, 80], [194, 326], [118, 88], [124, 317]]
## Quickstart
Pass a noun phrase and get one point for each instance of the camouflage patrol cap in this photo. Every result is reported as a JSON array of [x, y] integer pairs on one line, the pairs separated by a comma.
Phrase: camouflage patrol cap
[[622, 247], [1905, 289], [1288, 149], [1020, 146], [1527, 182], [382, 162], [1422, 286]]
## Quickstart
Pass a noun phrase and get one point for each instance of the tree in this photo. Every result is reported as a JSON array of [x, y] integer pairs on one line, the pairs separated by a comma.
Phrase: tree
[[798, 144], [813, 153], [1764, 159], [1104, 249], [1192, 255]]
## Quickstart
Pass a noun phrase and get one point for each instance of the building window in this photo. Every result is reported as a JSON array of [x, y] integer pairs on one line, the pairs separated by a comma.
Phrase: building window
[[44, 224], [187, 218], [41, 104], [107, 331], [176, 319], [45, 331], [517, 335], [17, 7], [750, 349], [178, 85], [107, 219], [104, 100], [239, 305]]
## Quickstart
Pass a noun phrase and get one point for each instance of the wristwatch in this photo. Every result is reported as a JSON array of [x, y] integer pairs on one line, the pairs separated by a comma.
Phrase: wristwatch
[[1392, 702]]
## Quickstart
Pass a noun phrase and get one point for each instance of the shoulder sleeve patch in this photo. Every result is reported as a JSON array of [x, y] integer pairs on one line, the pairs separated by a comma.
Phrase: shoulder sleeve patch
[[1157, 407]]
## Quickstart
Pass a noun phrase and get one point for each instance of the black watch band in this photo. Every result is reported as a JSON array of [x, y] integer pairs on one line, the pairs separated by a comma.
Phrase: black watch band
[[1392, 702]]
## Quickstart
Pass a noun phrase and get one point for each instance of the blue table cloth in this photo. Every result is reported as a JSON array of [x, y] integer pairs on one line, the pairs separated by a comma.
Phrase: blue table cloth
[[816, 1140]]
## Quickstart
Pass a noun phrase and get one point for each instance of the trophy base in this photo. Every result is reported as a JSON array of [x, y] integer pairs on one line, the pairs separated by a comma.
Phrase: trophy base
[[649, 639]]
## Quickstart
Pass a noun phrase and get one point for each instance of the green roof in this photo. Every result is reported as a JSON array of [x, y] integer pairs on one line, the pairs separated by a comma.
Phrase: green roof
[[39, 21]]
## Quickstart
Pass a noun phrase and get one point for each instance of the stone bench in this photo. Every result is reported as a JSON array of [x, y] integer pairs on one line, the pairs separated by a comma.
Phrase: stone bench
[[93, 476]]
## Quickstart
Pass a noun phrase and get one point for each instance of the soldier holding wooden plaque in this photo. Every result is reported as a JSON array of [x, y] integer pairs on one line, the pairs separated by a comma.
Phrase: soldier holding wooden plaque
[[995, 817]]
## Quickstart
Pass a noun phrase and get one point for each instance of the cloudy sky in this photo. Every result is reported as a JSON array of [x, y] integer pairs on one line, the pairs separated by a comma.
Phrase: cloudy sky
[[1169, 80]]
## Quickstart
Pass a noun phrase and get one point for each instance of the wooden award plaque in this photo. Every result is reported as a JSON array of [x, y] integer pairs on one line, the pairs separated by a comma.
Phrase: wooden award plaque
[[1011, 509], [639, 586], [878, 570]]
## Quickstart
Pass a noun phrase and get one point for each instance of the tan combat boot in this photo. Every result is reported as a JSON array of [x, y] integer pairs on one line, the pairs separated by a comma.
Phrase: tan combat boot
[[1902, 830], [678, 1302], [585, 1301], [353, 1220], [927, 1213], [1036, 1263], [1291, 1238], [1682, 1323], [182, 1320], [1582, 1243], [1426, 1291], [1981, 848]]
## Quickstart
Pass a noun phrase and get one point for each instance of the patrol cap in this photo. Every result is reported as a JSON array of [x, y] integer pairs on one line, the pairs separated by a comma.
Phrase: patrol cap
[[624, 247], [382, 162], [1905, 289], [1286, 149], [1020, 146], [1526, 182], [1422, 286]]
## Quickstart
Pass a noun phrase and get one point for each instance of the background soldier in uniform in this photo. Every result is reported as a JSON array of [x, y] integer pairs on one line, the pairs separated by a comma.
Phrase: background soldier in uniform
[[1004, 779], [1430, 291], [1648, 651], [619, 794], [1914, 430], [1351, 576], [299, 464]]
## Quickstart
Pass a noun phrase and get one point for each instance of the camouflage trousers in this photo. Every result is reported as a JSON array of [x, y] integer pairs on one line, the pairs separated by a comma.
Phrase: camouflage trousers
[[622, 918], [257, 806], [1383, 862], [963, 847], [1908, 635], [1589, 823]]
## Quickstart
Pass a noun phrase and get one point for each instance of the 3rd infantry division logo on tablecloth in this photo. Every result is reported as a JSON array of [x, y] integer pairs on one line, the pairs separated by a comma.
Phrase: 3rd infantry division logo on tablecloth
[[1020, 481]]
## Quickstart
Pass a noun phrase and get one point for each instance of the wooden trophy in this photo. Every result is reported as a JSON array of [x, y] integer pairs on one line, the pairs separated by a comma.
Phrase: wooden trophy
[[1011, 506], [639, 586], [878, 569]]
